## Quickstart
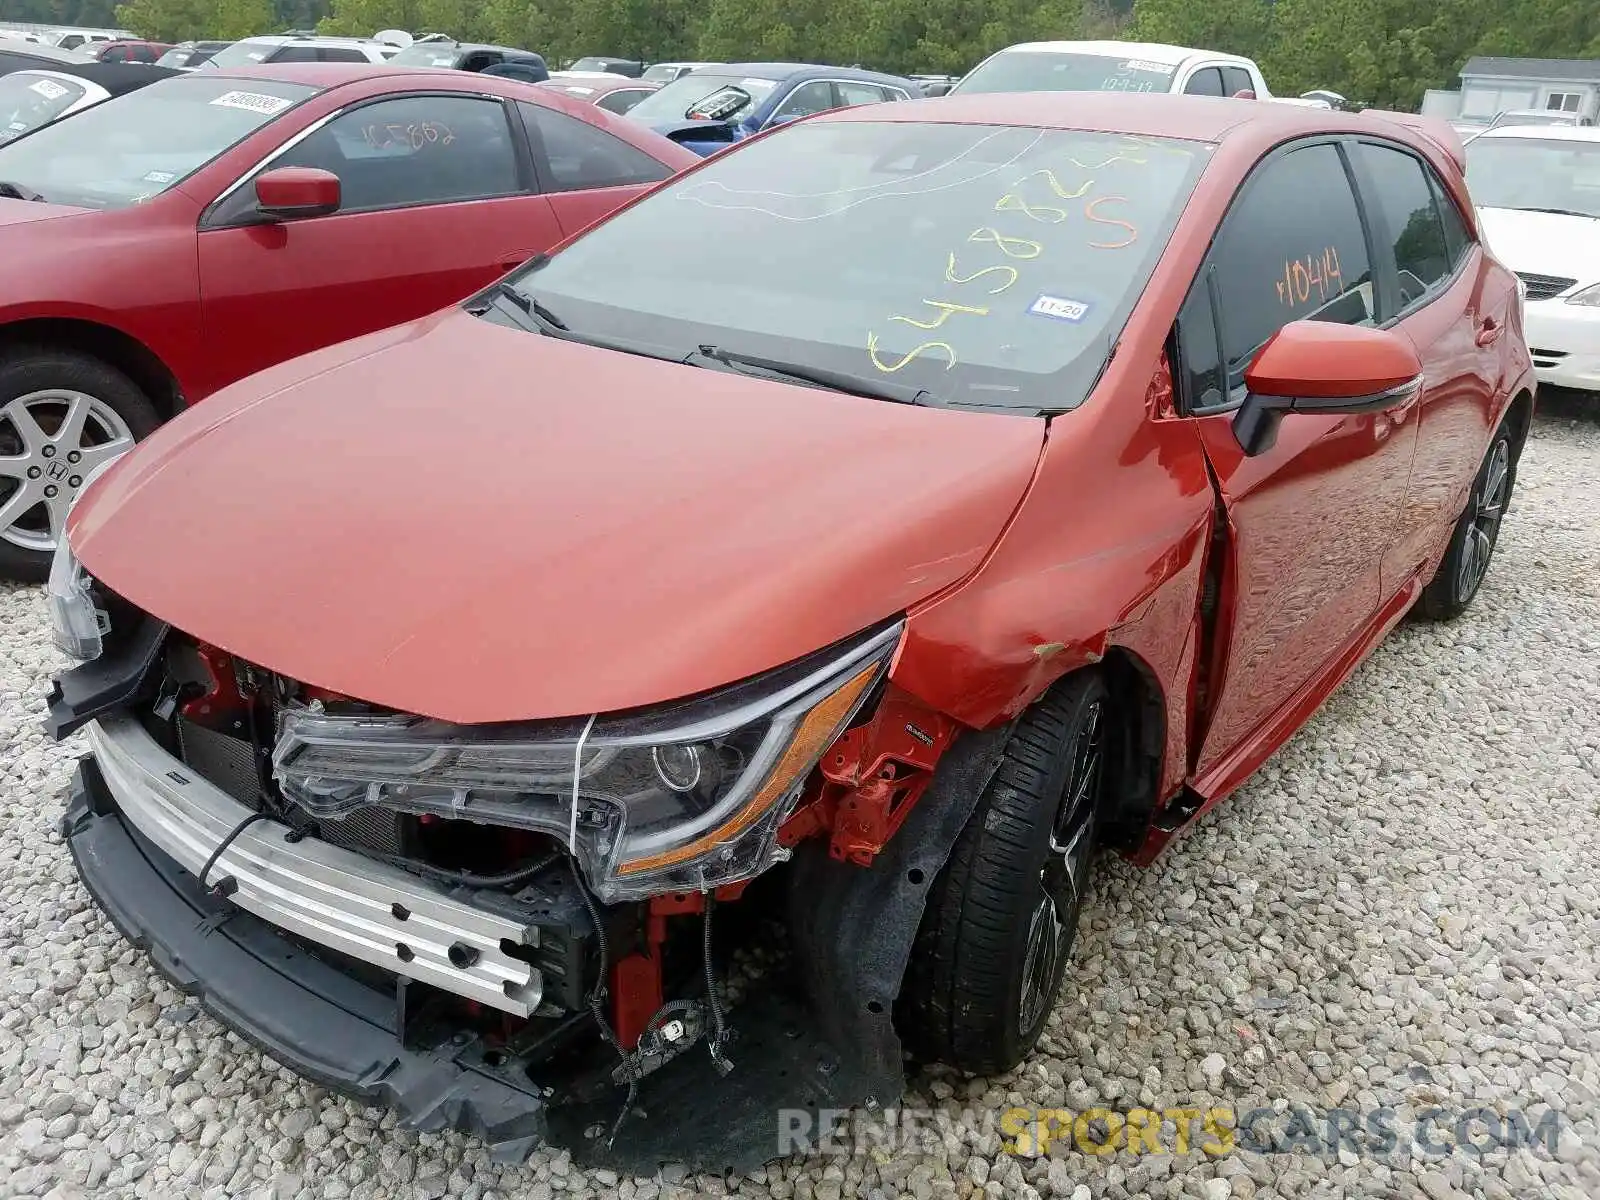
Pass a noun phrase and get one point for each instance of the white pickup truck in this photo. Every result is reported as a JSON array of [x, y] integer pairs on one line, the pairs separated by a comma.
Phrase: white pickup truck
[[1115, 67]]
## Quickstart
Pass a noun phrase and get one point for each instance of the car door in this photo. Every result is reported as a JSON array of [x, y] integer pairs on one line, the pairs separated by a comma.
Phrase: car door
[[1439, 303], [1310, 519], [586, 172], [438, 198]]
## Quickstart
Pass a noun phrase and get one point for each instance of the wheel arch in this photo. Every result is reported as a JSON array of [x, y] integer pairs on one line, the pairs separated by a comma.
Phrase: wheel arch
[[1139, 712], [107, 343]]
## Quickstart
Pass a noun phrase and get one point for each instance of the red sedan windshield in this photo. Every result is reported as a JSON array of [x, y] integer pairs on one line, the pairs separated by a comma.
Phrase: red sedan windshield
[[992, 266], [125, 151]]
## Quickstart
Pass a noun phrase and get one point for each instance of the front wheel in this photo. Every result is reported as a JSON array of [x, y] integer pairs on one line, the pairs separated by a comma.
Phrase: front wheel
[[998, 929], [1472, 542], [62, 414]]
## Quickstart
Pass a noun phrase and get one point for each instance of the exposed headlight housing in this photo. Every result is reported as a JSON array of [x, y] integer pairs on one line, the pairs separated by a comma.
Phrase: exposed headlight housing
[[1589, 296], [686, 797], [78, 625]]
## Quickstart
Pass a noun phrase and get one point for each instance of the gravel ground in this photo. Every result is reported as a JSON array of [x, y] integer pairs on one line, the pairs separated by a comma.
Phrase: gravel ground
[[1401, 911]]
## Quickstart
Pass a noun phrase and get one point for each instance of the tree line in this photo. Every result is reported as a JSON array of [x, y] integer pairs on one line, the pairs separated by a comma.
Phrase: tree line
[[1381, 52]]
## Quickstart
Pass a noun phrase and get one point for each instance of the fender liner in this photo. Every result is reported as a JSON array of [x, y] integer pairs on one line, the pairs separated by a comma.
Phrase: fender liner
[[852, 927]]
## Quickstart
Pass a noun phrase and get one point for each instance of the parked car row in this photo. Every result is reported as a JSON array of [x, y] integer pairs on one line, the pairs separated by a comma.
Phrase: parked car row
[[854, 531]]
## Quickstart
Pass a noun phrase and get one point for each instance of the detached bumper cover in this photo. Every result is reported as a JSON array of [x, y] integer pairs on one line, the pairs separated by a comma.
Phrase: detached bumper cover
[[307, 1014]]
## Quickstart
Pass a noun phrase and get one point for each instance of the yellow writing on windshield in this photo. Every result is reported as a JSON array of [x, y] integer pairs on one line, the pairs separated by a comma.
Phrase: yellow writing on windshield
[[916, 351]]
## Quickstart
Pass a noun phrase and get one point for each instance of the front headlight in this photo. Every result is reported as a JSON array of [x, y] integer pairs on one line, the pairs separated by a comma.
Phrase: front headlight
[[682, 798], [78, 624], [1589, 296]]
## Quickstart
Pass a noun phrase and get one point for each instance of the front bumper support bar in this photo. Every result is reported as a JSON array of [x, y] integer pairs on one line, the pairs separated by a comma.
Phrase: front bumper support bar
[[321, 892], [314, 1018]]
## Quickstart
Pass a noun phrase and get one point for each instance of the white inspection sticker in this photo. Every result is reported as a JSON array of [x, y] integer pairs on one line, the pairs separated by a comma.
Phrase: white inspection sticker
[[158, 177], [1139, 64], [1060, 308], [48, 88], [253, 102]]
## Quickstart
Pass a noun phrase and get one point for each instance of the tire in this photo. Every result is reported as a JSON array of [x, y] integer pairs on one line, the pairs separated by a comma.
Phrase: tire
[[61, 415], [992, 949], [1466, 560]]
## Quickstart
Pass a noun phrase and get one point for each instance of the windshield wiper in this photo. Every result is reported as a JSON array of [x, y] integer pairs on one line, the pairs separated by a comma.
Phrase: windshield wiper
[[524, 310], [15, 191], [837, 381], [1565, 212]]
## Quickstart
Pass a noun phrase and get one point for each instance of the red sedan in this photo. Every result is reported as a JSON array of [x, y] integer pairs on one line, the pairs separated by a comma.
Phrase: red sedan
[[169, 242], [965, 486]]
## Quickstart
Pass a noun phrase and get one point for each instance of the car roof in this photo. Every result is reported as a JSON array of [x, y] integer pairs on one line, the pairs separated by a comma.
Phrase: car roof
[[787, 70], [115, 77], [1150, 51], [1137, 114], [1568, 133], [318, 75]]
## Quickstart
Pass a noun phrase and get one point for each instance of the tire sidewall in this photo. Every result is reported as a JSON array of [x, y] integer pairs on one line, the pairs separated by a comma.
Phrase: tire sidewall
[[1022, 1040]]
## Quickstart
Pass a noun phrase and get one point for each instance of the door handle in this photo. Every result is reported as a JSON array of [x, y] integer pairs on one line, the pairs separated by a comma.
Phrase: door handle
[[1489, 332]]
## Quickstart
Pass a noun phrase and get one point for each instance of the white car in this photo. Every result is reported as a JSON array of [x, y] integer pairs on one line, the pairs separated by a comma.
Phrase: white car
[[287, 47], [1114, 67], [1537, 190]]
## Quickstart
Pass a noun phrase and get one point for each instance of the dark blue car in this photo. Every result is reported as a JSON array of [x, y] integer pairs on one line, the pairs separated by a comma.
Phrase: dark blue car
[[709, 109]]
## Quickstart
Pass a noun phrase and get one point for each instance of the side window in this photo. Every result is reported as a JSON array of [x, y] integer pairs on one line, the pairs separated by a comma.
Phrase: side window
[[115, 54], [1207, 81], [1291, 248], [621, 100], [1401, 194], [582, 156], [805, 100], [1456, 237], [341, 54], [1236, 80], [860, 93], [295, 54], [414, 150]]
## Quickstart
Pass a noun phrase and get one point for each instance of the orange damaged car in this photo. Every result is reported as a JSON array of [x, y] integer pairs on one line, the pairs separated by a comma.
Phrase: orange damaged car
[[829, 552]]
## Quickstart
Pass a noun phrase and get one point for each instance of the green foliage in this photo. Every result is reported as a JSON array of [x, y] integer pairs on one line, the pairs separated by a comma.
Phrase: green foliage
[[1383, 52]]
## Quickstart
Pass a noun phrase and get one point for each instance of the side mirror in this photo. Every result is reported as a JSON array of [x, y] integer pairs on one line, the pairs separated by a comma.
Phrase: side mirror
[[293, 193], [1321, 367]]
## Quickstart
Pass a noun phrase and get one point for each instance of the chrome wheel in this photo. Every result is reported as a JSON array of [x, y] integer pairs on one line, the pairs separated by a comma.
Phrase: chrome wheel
[[1484, 513], [49, 442], [1065, 873]]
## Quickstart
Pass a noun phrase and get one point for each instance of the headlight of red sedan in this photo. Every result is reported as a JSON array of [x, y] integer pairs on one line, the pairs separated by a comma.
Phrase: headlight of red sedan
[[78, 624], [686, 797]]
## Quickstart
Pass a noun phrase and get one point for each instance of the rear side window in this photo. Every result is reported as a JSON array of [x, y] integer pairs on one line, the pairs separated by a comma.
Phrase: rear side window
[[581, 156], [621, 100], [341, 54], [1410, 214], [1236, 80], [293, 54], [1292, 248], [860, 93], [1205, 82]]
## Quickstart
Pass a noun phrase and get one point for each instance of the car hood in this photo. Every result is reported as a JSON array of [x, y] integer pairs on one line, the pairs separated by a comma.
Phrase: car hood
[[1544, 243], [30, 212], [478, 524]]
